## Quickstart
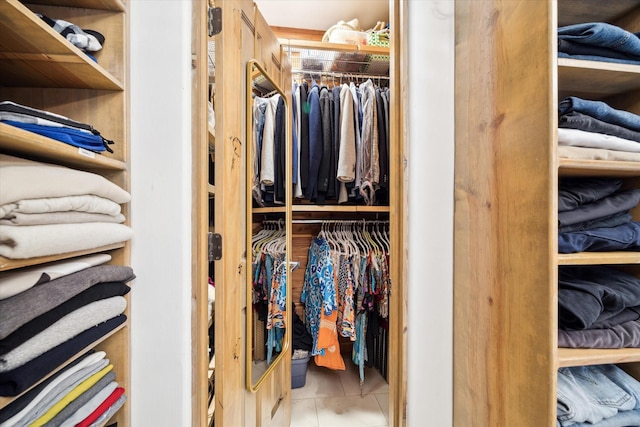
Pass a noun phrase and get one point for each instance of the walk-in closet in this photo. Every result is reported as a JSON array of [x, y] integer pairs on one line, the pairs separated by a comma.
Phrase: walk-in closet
[[298, 151]]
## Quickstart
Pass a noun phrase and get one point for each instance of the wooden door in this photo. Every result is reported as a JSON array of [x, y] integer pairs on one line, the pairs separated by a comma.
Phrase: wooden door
[[220, 206]]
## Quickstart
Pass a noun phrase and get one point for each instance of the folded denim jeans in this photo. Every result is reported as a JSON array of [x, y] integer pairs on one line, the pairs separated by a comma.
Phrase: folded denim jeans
[[575, 192], [603, 35], [606, 222], [600, 111], [618, 238], [576, 120], [573, 48], [621, 419], [585, 394], [618, 202], [586, 292]]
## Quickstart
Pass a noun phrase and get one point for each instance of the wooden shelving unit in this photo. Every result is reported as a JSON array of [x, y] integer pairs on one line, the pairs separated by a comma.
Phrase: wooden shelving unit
[[41, 69]]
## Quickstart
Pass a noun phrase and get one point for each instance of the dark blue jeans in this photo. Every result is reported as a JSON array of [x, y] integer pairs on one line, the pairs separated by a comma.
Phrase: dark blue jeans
[[600, 111], [619, 238], [605, 207], [575, 192], [576, 120], [585, 293]]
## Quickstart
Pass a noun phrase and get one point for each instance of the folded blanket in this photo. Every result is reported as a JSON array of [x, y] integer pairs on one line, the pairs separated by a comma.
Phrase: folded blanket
[[25, 179], [17, 380], [14, 282], [28, 402], [18, 219], [43, 240], [83, 203], [38, 300], [64, 329]]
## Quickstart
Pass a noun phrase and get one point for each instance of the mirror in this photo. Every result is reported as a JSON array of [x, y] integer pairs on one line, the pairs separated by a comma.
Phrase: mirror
[[268, 163]]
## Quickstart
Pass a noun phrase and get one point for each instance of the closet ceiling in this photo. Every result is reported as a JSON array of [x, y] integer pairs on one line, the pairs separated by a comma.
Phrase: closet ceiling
[[320, 15]]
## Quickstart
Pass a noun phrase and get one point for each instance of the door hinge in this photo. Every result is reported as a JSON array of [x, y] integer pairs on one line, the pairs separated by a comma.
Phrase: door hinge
[[215, 247], [214, 21]]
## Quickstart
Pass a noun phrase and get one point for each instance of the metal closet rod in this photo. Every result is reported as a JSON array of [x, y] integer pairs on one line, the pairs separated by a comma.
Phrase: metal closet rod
[[340, 75], [338, 221]]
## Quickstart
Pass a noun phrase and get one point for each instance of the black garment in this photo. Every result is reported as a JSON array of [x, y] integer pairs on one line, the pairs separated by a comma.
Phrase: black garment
[[301, 338], [586, 293], [19, 404], [279, 153], [606, 320], [327, 144], [575, 192], [382, 141], [373, 332], [96, 292], [610, 205], [17, 380], [303, 138], [580, 121]]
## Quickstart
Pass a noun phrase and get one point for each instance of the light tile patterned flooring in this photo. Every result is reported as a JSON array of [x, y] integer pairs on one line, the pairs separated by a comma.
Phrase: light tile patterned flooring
[[332, 398]]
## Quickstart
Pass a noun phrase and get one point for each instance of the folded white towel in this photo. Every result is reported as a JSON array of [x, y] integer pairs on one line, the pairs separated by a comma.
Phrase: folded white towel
[[25, 179], [43, 240], [14, 282]]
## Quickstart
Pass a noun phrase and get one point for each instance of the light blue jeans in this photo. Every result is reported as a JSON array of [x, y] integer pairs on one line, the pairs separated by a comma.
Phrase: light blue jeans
[[586, 394]]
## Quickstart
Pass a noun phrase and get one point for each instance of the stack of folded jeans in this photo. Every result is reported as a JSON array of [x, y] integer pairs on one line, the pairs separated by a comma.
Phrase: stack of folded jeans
[[594, 125], [599, 41], [598, 307], [594, 215], [599, 396]]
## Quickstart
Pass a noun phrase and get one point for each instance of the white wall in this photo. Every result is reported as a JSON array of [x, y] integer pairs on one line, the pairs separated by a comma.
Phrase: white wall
[[160, 94], [431, 150]]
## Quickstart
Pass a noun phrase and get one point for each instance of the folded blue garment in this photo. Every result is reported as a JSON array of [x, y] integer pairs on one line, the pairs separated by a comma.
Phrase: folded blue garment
[[602, 35], [74, 137]]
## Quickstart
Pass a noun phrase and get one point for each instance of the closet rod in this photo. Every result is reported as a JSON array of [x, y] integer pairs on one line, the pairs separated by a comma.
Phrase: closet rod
[[338, 221], [340, 75]]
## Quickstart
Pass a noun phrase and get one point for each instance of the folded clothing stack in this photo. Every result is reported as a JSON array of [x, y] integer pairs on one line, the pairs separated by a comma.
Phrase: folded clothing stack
[[599, 41], [594, 215], [49, 209]]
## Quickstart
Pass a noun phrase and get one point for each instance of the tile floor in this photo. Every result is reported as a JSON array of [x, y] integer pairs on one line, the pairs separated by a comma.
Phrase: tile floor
[[332, 398]]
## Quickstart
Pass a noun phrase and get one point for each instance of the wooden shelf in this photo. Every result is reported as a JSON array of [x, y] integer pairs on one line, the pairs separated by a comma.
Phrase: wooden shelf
[[580, 357], [114, 5], [32, 54], [340, 208], [271, 209], [334, 47], [212, 138], [591, 258], [212, 190], [574, 12], [571, 167], [21, 142], [11, 264], [596, 79], [4, 401]]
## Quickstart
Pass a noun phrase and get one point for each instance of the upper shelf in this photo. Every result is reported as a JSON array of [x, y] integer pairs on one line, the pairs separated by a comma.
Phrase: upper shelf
[[580, 357], [596, 79], [15, 140], [32, 54], [311, 56], [114, 5]]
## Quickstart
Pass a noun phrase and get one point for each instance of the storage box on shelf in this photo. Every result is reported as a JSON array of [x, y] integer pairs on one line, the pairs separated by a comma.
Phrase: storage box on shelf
[[41, 69]]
